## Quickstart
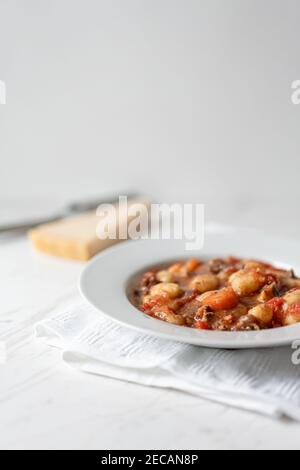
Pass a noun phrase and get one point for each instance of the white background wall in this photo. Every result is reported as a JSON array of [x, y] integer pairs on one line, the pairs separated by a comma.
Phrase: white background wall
[[184, 99]]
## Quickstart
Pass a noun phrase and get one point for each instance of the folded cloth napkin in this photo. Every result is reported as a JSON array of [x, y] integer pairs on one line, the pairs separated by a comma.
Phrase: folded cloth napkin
[[265, 381]]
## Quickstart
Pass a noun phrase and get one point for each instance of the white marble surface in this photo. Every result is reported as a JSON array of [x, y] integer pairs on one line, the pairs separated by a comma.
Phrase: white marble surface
[[46, 405]]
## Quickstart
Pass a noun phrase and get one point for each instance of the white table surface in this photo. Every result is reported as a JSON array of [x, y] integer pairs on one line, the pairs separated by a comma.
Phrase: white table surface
[[44, 404]]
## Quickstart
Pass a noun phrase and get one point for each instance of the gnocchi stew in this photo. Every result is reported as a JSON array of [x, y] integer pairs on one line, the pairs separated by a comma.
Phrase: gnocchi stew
[[227, 294]]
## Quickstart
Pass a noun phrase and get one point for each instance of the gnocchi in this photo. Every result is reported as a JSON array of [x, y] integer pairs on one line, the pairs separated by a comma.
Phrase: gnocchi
[[292, 297], [164, 276], [227, 294], [204, 282], [263, 313], [247, 281], [169, 288]]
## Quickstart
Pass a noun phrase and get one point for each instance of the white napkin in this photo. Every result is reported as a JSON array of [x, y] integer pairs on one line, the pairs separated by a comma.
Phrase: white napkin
[[265, 381]]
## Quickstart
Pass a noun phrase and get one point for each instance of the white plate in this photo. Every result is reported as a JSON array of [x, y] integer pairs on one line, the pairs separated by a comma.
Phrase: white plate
[[106, 278]]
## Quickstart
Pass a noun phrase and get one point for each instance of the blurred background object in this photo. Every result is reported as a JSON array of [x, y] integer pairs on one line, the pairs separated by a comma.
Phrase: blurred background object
[[20, 218], [188, 100], [80, 236]]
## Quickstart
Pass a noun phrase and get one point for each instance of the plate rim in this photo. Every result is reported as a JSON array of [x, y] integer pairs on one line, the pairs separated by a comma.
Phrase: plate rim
[[157, 328]]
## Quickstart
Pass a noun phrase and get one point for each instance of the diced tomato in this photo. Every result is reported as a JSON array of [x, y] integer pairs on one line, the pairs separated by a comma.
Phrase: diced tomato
[[155, 301], [233, 260], [202, 325], [277, 305]]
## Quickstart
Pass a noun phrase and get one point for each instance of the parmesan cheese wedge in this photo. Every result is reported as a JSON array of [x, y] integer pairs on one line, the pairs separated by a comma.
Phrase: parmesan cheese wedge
[[78, 237]]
